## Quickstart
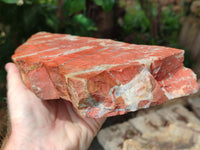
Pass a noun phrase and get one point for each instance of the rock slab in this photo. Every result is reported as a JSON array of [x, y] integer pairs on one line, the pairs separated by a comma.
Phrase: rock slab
[[170, 128], [102, 77]]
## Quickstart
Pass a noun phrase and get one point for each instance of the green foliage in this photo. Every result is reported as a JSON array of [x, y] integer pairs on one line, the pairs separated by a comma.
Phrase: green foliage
[[135, 20], [107, 5], [151, 26], [74, 6], [87, 24], [170, 26], [11, 1]]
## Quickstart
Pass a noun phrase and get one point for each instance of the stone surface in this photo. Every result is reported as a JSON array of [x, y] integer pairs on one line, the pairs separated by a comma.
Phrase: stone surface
[[102, 77], [195, 105], [173, 137], [169, 128]]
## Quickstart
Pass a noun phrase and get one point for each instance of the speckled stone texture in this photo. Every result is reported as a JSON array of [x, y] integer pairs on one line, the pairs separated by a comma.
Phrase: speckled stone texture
[[102, 77]]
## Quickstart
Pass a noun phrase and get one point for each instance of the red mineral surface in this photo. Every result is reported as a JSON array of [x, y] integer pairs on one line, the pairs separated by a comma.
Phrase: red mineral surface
[[102, 77]]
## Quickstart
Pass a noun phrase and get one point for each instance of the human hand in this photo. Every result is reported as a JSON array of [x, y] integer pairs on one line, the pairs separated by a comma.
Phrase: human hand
[[37, 124]]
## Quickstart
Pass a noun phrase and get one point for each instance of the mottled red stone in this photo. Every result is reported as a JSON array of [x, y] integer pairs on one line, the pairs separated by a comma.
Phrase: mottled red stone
[[102, 77]]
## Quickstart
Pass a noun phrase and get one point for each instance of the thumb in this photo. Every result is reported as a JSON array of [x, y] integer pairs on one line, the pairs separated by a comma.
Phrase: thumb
[[14, 81], [17, 93]]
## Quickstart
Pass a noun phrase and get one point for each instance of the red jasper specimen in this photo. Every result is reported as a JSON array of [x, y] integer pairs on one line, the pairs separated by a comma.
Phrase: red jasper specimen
[[102, 77]]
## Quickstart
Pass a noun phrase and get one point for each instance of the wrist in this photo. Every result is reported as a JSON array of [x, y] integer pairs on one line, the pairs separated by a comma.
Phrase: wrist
[[28, 142], [14, 143], [22, 143]]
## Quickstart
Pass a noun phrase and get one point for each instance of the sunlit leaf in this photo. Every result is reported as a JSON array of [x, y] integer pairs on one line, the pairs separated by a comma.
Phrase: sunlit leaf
[[11, 1], [74, 6], [99, 2], [84, 21], [107, 5]]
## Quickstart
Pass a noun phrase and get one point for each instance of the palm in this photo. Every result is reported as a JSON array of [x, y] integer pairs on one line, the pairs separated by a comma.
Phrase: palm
[[54, 121]]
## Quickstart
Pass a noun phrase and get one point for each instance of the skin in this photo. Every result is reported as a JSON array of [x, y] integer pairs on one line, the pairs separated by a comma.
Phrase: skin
[[51, 125]]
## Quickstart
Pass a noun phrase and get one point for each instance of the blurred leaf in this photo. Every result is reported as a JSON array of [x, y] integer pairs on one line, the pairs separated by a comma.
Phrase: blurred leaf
[[99, 2], [136, 20], [170, 27], [83, 20], [11, 1], [74, 6], [154, 11], [107, 5], [86, 24]]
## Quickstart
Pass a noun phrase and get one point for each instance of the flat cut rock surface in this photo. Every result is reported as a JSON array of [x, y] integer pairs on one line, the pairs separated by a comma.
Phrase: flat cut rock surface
[[102, 77]]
